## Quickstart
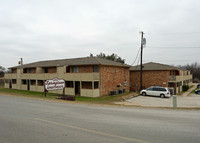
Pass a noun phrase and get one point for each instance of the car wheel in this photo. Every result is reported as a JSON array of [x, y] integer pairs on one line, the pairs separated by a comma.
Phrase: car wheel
[[143, 94], [162, 96], [198, 92]]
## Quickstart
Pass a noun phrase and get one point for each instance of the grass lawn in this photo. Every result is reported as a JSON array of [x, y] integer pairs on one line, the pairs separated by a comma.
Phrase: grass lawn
[[182, 92], [98, 100], [193, 91], [28, 93]]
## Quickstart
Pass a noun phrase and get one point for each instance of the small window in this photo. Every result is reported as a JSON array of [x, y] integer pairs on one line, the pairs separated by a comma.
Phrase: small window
[[24, 70], [14, 81], [13, 70], [69, 84], [46, 70], [40, 82], [75, 69], [96, 84], [33, 82], [86, 85], [95, 68], [24, 81], [7, 80], [30, 70], [67, 69]]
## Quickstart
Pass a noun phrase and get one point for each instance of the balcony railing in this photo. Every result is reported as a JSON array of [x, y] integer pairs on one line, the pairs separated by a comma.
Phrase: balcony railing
[[179, 78], [65, 76]]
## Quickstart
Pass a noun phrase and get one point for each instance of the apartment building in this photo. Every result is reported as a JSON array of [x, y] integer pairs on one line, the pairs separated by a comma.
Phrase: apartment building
[[88, 76], [156, 74]]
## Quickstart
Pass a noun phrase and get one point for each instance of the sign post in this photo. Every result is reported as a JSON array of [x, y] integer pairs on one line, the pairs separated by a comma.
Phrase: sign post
[[57, 84], [54, 84]]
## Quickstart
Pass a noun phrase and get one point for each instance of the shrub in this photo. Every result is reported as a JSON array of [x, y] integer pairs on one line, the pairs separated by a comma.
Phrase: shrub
[[185, 87]]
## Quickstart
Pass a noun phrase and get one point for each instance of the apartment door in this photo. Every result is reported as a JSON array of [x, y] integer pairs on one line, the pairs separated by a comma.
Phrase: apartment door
[[10, 84], [28, 84], [77, 87]]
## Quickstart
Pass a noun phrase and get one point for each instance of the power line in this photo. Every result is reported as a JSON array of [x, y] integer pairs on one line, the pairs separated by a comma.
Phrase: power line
[[176, 47], [169, 60], [172, 33], [136, 56], [137, 63]]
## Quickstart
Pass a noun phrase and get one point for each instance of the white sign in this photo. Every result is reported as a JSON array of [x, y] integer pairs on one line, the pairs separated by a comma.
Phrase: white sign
[[54, 84]]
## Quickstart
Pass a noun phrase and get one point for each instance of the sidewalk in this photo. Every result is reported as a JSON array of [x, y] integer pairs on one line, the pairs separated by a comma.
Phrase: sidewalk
[[190, 90]]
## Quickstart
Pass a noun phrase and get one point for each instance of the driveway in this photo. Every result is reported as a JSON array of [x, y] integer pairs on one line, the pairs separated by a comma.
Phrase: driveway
[[191, 101]]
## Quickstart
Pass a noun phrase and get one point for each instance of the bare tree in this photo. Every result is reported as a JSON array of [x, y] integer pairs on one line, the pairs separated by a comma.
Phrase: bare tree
[[195, 70], [2, 71]]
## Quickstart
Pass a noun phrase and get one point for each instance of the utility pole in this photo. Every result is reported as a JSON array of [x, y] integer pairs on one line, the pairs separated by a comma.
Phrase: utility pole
[[143, 42]]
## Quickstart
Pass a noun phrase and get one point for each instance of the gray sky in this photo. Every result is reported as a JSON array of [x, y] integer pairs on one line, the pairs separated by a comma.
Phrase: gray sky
[[59, 29]]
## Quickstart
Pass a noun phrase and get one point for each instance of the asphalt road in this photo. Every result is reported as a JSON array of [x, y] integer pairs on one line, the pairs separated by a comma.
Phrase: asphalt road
[[26, 120]]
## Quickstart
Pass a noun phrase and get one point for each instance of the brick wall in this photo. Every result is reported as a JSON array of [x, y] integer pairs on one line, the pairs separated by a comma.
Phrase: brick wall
[[149, 78], [111, 77]]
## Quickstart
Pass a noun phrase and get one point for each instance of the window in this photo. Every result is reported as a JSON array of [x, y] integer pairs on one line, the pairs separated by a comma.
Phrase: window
[[156, 89], [86, 85], [159, 89], [171, 85], [67, 69], [33, 82], [162, 89], [7, 80], [69, 84], [14, 81], [13, 70], [40, 82], [96, 84], [45, 70], [75, 69], [24, 81], [30, 70], [95, 68], [149, 89], [24, 70]]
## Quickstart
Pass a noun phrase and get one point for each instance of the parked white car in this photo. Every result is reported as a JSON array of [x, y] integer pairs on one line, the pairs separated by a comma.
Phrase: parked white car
[[156, 91]]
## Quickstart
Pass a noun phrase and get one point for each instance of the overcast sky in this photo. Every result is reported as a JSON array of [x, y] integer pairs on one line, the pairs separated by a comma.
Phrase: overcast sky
[[59, 29]]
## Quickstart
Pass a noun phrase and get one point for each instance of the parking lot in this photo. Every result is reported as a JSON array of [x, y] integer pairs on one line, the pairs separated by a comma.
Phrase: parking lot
[[191, 101]]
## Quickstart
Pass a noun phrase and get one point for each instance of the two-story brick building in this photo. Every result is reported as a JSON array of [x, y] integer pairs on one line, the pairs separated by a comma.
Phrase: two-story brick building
[[89, 76], [155, 74]]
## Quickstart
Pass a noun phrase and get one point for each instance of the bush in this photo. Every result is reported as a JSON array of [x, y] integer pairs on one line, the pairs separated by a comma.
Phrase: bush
[[185, 87]]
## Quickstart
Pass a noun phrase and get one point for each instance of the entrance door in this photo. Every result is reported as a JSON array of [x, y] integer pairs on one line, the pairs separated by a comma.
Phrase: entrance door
[[10, 84], [28, 85], [77, 87]]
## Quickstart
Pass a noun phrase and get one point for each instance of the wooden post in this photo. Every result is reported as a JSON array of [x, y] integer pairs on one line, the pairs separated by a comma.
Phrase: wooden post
[[45, 91], [64, 92]]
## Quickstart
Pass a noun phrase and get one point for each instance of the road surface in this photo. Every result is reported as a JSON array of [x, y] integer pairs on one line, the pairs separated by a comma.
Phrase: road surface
[[26, 120]]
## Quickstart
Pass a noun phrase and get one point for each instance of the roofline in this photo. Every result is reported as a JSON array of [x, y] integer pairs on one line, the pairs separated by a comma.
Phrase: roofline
[[172, 67], [97, 58]]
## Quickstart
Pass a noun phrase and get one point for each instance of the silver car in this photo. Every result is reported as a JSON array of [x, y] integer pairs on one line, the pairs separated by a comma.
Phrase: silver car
[[156, 91]]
